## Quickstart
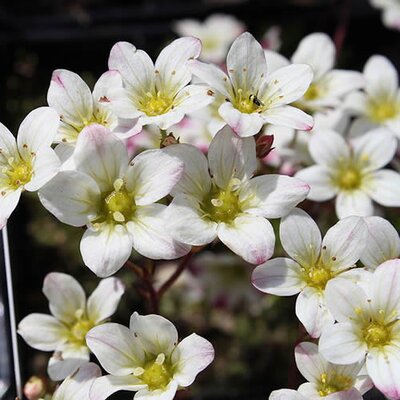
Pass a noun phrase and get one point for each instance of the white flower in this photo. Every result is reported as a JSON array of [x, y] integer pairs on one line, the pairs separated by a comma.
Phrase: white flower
[[216, 33], [252, 96], [72, 317], [78, 107], [313, 263], [383, 242], [146, 358], [326, 380], [286, 394], [157, 93], [77, 385], [390, 12], [368, 326], [352, 172], [379, 105], [28, 162], [229, 204], [116, 200]]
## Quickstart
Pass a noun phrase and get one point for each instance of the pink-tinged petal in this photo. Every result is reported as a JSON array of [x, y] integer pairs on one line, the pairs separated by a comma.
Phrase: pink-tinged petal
[[312, 312], [45, 166], [155, 333], [71, 97], [213, 76], [288, 116], [286, 394], [167, 393], [383, 366], [195, 180], [250, 237], [246, 63], [105, 251], [309, 361], [72, 197], [8, 144], [385, 290], [66, 296], [65, 362], [172, 63], [104, 300], [381, 77], [231, 157], [244, 125], [272, 196], [346, 300], [186, 222], [100, 155], [319, 180], [341, 344], [105, 386], [355, 202], [384, 187], [148, 183], [107, 81], [192, 355], [318, 51], [344, 243], [300, 237], [117, 350], [42, 332], [383, 242], [280, 276], [37, 130], [150, 236], [8, 203]]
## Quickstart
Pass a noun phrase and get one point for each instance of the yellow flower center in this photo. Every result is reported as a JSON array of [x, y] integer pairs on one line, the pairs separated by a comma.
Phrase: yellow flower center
[[313, 92], [18, 172], [317, 276], [348, 178], [377, 334], [79, 330], [248, 103], [209, 43], [157, 373], [383, 109], [333, 383], [153, 104]]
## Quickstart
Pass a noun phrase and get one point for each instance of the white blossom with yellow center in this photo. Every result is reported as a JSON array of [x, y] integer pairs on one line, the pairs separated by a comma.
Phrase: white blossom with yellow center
[[147, 358], [116, 199], [72, 317], [253, 97], [159, 93], [313, 263], [351, 172], [29, 162], [368, 326]]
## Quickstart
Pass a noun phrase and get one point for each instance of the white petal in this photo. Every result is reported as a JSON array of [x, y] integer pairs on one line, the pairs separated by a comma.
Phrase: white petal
[[244, 125], [195, 180], [105, 386], [193, 97], [192, 355], [72, 197], [155, 333], [8, 144], [117, 350], [42, 332], [186, 223], [231, 157], [288, 116], [150, 236], [312, 312], [70, 96], [123, 105], [106, 250], [108, 80], [66, 296], [250, 237], [149, 183], [319, 180], [280, 276], [272, 196], [46, 164], [104, 300], [384, 187], [340, 82], [65, 363], [355, 202], [381, 77], [340, 344], [344, 243], [300, 237], [275, 60], [309, 362], [383, 242], [318, 51], [8, 203], [286, 394]]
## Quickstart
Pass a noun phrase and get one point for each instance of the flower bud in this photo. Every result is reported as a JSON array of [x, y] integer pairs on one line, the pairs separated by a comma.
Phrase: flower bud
[[35, 388]]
